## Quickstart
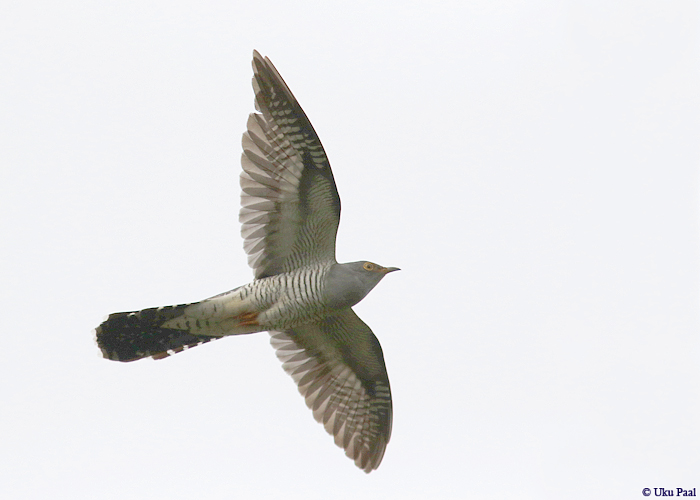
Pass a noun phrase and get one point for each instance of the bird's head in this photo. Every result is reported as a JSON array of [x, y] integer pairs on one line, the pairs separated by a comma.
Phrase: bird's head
[[347, 284], [373, 269]]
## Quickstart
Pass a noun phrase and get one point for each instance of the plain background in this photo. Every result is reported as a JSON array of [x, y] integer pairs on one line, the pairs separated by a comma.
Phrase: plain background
[[532, 166]]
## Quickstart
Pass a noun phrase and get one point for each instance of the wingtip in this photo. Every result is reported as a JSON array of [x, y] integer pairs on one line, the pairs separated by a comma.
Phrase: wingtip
[[258, 62]]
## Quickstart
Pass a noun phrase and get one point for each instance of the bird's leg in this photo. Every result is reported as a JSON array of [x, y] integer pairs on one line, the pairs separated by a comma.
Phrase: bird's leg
[[248, 319]]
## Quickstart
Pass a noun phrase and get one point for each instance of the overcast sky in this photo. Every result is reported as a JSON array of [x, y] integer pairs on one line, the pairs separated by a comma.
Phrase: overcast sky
[[532, 166]]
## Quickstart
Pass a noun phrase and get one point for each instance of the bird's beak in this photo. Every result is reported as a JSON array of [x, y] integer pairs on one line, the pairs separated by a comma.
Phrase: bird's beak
[[388, 270]]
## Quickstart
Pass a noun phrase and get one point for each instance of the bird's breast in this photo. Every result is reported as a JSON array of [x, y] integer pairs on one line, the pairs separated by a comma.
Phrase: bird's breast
[[292, 298]]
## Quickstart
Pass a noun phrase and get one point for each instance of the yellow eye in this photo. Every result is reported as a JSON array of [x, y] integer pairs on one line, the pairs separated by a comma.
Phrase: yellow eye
[[368, 266]]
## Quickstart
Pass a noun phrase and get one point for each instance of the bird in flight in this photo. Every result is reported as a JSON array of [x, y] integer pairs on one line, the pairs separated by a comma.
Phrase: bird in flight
[[301, 295]]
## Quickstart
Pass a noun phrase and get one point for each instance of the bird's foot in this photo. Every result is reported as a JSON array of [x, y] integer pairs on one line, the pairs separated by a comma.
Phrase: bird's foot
[[248, 319]]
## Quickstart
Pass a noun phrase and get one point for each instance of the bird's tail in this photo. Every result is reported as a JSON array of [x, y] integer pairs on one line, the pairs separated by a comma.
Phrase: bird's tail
[[129, 336]]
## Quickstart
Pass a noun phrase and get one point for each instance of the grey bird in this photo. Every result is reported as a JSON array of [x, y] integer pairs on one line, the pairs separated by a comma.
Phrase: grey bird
[[290, 212]]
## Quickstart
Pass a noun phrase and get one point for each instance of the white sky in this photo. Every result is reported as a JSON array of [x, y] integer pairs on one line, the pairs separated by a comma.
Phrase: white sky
[[532, 166]]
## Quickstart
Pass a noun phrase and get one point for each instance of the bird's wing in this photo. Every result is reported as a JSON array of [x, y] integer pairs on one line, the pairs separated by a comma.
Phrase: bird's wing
[[290, 207], [339, 368]]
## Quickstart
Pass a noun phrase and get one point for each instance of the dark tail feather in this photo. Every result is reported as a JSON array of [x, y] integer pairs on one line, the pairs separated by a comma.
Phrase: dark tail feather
[[129, 336]]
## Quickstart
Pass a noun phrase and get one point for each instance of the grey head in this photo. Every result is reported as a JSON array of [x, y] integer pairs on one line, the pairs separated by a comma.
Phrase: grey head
[[347, 284]]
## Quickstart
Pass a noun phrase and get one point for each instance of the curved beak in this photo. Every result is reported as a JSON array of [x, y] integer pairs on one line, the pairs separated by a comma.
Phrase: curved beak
[[388, 270]]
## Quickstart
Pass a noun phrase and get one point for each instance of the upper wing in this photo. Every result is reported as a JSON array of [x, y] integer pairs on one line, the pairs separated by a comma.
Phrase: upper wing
[[339, 367], [290, 207]]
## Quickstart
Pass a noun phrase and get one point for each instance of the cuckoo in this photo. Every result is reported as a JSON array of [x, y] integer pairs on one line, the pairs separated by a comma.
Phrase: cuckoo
[[301, 295]]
